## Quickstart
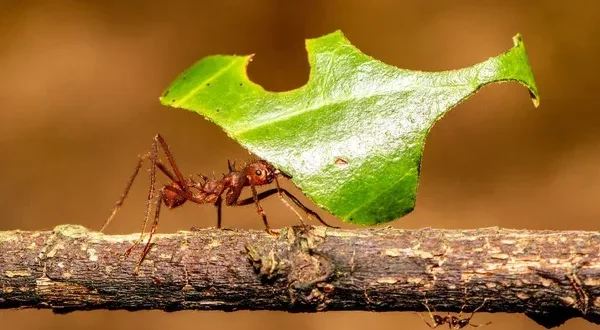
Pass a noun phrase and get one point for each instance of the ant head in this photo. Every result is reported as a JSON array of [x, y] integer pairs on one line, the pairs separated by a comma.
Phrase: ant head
[[438, 319], [260, 172]]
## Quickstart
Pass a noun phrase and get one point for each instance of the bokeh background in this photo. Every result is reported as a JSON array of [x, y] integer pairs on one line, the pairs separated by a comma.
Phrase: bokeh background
[[79, 87]]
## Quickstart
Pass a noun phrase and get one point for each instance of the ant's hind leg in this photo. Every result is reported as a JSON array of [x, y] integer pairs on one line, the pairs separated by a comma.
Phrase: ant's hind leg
[[124, 195], [424, 320], [165, 147], [430, 313], [166, 172], [148, 245], [152, 155], [119, 202]]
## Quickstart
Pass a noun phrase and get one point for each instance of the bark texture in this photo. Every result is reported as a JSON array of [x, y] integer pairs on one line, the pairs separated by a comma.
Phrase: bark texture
[[551, 276]]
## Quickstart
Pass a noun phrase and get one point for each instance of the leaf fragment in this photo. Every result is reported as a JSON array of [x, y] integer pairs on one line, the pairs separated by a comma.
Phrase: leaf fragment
[[353, 136]]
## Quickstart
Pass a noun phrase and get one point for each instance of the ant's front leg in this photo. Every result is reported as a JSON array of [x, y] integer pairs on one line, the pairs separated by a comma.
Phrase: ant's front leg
[[260, 211], [296, 201], [306, 209], [256, 199], [231, 199]]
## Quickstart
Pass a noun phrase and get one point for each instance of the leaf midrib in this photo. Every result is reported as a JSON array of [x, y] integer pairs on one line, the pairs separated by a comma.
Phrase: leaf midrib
[[300, 111]]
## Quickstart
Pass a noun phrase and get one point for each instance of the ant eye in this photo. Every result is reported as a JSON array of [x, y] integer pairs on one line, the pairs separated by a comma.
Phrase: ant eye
[[258, 172]]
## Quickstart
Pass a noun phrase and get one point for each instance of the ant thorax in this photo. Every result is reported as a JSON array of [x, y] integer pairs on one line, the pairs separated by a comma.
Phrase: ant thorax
[[215, 186]]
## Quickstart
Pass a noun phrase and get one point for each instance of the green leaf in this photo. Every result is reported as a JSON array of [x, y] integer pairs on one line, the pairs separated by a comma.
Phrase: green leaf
[[353, 136]]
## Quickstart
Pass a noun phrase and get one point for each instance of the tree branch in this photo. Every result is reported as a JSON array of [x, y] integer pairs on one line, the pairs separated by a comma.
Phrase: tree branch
[[551, 276]]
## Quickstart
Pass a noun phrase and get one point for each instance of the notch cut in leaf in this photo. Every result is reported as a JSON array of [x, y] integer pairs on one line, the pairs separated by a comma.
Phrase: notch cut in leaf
[[353, 136]]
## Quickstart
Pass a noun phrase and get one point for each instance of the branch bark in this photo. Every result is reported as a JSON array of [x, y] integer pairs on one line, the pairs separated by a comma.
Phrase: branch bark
[[551, 276]]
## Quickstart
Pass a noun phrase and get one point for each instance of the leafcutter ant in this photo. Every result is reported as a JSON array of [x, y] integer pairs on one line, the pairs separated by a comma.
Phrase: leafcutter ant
[[209, 191], [454, 322]]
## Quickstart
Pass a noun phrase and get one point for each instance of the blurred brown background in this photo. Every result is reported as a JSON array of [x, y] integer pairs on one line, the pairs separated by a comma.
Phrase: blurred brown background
[[79, 87]]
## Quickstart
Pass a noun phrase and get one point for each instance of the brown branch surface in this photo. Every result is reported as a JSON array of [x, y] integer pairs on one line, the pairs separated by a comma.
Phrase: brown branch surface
[[551, 276]]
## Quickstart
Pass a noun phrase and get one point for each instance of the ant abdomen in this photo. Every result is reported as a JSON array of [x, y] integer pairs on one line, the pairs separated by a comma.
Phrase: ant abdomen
[[171, 198]]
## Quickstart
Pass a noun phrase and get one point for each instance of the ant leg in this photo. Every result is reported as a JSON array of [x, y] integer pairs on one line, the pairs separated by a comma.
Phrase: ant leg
[[119, 203], [424, 320], [158, 138], [480, 306], [270, 192], [153, 160], [462, 308], [264, 195], [260, 196], [473, 313], [430, 315], [256, 200], [479, 325], [124, 195], [153, 156], [152, 231], [286, 203], [166, 171], [219, 204], [177, 177], [306, 209], [260, 211]]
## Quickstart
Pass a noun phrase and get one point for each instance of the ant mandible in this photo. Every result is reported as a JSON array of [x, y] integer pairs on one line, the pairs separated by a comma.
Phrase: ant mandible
[[180, 190], [454, 322]]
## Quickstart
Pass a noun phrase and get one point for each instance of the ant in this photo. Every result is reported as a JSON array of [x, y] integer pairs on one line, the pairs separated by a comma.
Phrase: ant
[[454, 322], [181, 190]]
